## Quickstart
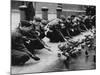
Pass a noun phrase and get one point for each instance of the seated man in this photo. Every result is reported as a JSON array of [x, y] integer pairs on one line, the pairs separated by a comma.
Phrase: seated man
[[19, 53], [52, 32], [37, 34], [38, 27], [74, 26], [94, 21], [64, 26], [88, 22]]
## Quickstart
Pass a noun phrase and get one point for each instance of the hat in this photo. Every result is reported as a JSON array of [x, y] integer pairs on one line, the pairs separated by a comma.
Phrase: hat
[[44, 22], [38, 19], [72, 15], [63, 17], [25, 23]]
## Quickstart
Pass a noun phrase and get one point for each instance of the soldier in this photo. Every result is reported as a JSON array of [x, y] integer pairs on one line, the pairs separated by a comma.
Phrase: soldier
[[69, 25], [39, 28], [88, 22], [19, 53], [64, 26], [38, 33], [53, 28], [44, 23], [94, 21], [82, 26], [73, 26]]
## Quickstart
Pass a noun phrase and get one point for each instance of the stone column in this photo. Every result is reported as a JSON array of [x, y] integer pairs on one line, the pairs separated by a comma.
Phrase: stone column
[[30, 11], [44, 13], [22, 9], [59, 12]]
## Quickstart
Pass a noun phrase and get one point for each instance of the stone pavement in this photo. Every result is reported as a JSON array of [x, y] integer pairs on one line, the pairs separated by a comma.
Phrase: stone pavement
[[51, 62]]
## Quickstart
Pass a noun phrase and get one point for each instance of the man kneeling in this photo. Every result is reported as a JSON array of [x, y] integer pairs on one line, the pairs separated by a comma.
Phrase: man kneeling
[[19, 53]]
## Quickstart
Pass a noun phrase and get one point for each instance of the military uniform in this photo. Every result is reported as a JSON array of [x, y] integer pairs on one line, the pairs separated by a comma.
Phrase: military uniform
[[64, 26], [19, 48], [18, 54], [53, 31], [36, 34], [88, 22]]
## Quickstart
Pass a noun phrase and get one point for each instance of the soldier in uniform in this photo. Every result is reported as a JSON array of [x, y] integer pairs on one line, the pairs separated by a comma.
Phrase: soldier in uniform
[[64, 25], [69, 25], [44, 23], [82, 26], [53, 28], [71, 29], [94, 21], [74, 26], [38, 27], [19, 52], [88, 22], [38, 34]]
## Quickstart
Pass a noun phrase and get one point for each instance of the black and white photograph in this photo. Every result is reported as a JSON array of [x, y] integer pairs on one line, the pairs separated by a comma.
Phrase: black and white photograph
[[52, 37]]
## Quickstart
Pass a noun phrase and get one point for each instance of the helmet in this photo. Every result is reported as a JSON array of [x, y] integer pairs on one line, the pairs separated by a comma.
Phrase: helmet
[[44, 22], [25, 23], [62, 17], [38, 19]]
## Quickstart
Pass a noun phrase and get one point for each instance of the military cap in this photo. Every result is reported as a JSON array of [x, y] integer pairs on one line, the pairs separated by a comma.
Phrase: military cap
[[44, 22], [69, 17], [62, 17], [72, 15], [25, 23], [38, 19]]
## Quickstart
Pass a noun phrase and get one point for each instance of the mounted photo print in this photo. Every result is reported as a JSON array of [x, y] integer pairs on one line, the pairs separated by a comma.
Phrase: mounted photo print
[[52, 37]]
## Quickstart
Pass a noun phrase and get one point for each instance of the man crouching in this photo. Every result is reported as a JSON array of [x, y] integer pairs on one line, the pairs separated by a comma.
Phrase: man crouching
[[19, 53]]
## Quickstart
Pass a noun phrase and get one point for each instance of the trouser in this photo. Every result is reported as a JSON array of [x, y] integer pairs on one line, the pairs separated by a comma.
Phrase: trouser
[[35, 44]]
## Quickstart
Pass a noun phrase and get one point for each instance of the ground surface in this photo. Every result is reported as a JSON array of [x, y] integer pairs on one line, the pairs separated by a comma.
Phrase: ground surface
[[51, 62]]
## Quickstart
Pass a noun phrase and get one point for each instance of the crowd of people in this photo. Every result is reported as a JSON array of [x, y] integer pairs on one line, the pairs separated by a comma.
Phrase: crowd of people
[[29, 34], [69, 27]]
